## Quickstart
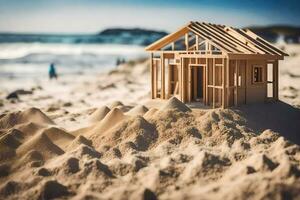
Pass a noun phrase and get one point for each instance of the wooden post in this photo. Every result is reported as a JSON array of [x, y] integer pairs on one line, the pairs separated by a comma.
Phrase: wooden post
[[184, 82], [170, 78], [187, 41], [206, 82], [197, 43], [162, 90], [236, 83], [189, 84], [246, 80], [223, 83], [275, 80], [180, 79], [152, 76], [155, 67], [214, 82], [227, 81]]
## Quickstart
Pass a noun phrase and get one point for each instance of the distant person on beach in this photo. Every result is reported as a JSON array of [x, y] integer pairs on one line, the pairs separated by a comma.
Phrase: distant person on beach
[[52, 71]]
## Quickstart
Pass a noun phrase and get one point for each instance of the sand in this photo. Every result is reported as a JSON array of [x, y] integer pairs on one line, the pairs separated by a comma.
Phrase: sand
[[115, 143]]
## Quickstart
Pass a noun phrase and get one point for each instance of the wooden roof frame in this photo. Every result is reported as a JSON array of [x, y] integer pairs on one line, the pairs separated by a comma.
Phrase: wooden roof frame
[[236, 43]]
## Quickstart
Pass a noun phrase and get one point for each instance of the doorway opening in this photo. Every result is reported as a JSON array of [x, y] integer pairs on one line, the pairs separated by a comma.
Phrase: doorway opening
[[197, 83]]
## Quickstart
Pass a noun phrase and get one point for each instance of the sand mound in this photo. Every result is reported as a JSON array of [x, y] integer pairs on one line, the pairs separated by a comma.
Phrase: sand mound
[[99, 114], [33, 158], [137, 110], [174, 103], [261, 162], [84, 150], [96, 168], [35, 115], [4, 170], [136, 130], [27, 130], [41, 143], [9, 188], [58, 136], [116, 104], [10, 140], [150, 113], [205, 165], [78, 141], [9, 120], [52, 189], [30, 115], [166, 154], [111, 119]]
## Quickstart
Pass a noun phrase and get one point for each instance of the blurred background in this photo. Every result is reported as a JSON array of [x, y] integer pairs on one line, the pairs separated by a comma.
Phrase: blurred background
[[88, 36]]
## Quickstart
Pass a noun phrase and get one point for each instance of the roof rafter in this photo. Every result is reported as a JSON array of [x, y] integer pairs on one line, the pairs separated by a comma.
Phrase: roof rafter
[[227, 39]]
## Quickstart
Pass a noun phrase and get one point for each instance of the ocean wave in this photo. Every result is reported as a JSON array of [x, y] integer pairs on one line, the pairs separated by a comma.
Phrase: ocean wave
[[19, 50], [30, 60]]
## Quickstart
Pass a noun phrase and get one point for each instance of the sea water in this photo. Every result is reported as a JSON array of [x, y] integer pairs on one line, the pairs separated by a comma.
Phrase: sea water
[[29, 61]]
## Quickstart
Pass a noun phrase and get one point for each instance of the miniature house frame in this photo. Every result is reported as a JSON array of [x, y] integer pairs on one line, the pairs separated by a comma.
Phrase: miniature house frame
[[217, 65]]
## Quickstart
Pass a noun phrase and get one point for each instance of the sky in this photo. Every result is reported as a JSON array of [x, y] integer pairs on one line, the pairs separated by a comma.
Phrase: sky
[[92, 16]]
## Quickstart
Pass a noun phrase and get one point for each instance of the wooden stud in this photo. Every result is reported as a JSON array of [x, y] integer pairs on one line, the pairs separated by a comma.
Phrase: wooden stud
[[155, 68], [189, 83], [275, 80], [236, 82], [206, 81], [183, 81], [187, 41], [173, 46], [170, 79], [246, 81], [223, 84], [162, 89], [214, 83], [197, 42], [152, 76], [227, 81], [180, 79]]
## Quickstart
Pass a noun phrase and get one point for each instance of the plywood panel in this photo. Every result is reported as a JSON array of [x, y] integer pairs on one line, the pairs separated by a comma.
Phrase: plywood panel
[[256, 92]]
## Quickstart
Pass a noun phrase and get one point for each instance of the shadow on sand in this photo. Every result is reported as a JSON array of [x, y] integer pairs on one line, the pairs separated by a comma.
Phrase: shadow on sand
[[279, 117]]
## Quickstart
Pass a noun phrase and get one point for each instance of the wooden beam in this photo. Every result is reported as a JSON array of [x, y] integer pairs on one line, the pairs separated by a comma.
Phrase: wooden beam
[[201, 56], [168, 39], [236, 56], [227, 81], [202, 32], [162, 89], [152, 76], [170, 78], [214, 82], [206, 81], [197, 42], [266, 43], [222, 32], [223, 84], [236, 82], [275, 80], [155, 67], [216, 44], [246, 81], [184, 82], [186, 39], [222, 38], [189, 83], [180, 79]]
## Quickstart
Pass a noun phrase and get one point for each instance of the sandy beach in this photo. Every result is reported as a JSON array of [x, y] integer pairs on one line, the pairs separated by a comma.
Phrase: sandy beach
[[100, 136]]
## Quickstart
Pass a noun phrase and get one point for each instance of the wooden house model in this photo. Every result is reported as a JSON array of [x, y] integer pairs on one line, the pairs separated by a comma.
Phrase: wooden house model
[[217, 65]]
